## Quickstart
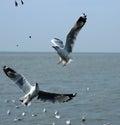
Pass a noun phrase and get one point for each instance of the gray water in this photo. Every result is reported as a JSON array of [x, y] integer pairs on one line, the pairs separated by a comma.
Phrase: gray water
[[94, 76]]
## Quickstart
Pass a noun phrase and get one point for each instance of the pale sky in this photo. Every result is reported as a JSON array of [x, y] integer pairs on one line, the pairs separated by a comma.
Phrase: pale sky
[[47, 19]]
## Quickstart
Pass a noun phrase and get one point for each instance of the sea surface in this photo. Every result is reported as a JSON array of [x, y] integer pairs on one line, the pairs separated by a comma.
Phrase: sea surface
[[95, 77]]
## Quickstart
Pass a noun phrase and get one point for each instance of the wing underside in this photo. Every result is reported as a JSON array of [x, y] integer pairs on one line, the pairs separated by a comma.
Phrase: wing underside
[[22, 82], [54, 97], [71, 37], [18, 79]]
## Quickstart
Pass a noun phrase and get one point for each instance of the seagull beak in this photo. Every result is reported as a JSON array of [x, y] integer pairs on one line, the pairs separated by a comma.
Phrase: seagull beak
[[36, 84]]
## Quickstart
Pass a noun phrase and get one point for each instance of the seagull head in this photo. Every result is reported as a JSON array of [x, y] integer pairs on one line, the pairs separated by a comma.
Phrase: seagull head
[[37, 86], [9, 72]]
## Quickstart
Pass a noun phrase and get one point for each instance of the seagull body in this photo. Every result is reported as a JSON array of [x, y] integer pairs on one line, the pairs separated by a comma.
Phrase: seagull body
[[64, 51], [32, 91], [30, 95]]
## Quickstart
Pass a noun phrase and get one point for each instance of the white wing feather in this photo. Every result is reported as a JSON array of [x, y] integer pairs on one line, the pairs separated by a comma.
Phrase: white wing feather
[[18, 79], [57, 42]]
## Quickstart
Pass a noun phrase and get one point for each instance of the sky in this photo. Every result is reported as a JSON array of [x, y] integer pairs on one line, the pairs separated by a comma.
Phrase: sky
[[47, 19]]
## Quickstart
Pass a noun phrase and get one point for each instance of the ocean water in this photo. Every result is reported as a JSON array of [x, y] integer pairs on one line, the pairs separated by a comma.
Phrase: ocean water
[[94, 76]]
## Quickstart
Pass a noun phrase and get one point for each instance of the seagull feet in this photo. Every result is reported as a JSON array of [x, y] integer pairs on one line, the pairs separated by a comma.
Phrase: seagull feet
[[59, 62], [65, 65], [26, 104], [21, 100]]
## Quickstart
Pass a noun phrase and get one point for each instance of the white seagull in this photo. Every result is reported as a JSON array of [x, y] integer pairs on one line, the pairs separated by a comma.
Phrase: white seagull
[[34, 91], [64, 51]]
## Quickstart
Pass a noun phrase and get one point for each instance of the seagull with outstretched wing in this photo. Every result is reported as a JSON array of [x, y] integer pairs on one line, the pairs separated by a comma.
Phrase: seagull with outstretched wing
[[64, 51], [32, 91]]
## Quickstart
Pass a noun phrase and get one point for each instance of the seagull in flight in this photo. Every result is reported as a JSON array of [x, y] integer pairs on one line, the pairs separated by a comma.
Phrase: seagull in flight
[[16, 3], [32, 91], [64, 51]]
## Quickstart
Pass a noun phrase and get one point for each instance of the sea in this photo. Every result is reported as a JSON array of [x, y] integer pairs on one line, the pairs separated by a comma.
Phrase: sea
[[95, 77]]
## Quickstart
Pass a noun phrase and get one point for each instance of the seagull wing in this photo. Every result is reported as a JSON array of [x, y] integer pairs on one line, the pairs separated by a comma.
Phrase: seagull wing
[[54, 97], [57, 42], [19, 79], [71, 37]]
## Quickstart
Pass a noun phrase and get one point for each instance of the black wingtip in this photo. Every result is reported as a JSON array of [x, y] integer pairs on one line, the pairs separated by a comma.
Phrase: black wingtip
[[4, 67], [84, 15], [9, 72], [71, 96], [74, 94], [82, 18]]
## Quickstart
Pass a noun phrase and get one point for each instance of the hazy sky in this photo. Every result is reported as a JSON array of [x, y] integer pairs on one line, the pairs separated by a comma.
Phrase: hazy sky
[[46, 19]]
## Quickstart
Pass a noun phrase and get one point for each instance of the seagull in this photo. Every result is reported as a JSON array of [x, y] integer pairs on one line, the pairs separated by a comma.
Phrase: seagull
[[22, 2], [32, 91], [64, 51], [57, 115], [23, 114], [16, 3], [29, 36], [8, 112], [68, 122], [44, 110]]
